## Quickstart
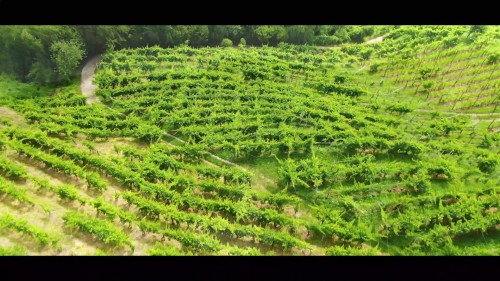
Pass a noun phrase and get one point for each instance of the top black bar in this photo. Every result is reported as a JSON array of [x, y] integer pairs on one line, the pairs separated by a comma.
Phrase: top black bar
[[243, 12]]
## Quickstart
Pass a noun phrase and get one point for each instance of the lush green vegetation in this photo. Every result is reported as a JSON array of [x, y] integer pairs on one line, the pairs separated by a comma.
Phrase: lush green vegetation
[[449, 72], [361, 149], [12, 88], [8, 222], [52, 54]]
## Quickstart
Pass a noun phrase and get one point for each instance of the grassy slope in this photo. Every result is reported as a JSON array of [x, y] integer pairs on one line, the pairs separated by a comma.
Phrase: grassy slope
[[267, 167], [10, 87]]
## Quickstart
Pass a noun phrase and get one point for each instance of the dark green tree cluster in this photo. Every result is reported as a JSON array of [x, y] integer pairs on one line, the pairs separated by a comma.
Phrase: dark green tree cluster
[[42, 54]]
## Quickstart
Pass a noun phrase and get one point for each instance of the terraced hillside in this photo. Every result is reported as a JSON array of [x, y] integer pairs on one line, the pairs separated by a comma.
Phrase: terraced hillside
[[288, 150], [114, 195], [464, 78]]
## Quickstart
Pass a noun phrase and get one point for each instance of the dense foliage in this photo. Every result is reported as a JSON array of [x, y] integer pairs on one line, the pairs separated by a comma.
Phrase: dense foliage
[[332, 151], [48, 54]]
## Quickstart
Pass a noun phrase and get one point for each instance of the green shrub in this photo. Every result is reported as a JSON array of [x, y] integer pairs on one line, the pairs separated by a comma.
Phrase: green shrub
[[243, 42], [226, 43], [492, 59], [487, 165]]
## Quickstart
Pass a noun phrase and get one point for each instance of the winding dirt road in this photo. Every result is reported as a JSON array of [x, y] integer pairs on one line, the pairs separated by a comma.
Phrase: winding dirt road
[[371, 41], [87, 87], [375, 40]]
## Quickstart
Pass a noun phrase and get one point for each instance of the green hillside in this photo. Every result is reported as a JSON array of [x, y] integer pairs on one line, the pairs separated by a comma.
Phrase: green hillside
[[388, 148]]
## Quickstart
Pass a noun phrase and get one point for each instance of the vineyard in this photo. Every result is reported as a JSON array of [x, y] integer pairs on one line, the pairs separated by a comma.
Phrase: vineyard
[[464, 78], [360, 149]]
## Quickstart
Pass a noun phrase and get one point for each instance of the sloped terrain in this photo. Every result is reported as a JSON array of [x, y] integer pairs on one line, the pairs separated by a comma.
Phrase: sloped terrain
[[289, 150]]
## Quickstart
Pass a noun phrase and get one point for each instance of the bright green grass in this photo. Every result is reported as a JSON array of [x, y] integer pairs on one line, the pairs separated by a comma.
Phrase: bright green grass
[[10, 87]]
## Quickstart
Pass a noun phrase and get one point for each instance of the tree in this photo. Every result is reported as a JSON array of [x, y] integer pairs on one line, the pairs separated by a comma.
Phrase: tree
[[198, 35], [219, 32], [25, 50], [226, 43], [176, 35], [300, 34], [66, 56], [97, 37], [356, 35], [271, 34], [243, 42]]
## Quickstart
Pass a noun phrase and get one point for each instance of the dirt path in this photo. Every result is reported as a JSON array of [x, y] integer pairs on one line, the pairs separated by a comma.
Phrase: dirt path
[[375, 40], [11, 114], [88, 89], [371, 41]]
